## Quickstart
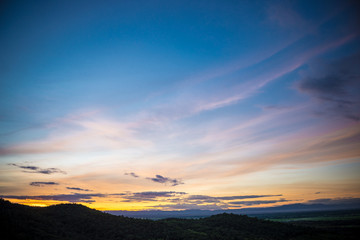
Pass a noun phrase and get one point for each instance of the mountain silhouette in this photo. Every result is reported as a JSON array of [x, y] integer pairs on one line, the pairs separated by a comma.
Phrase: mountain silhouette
[[77, 222]]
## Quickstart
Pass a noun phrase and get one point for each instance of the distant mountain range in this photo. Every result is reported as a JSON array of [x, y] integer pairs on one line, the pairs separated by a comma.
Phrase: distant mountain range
[[298, 207]]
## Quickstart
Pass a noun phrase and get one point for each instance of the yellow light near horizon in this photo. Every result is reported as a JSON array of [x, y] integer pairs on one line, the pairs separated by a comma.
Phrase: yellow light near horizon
[[100, 205], [38, 205]]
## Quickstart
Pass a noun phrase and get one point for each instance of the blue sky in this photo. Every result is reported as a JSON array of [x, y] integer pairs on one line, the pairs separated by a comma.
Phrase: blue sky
[[200, 98]]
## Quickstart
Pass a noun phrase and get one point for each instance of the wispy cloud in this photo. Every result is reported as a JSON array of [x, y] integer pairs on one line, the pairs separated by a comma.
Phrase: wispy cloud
[[221, 202], [75, 197], [189, 206], [251, 203], [166, 180], [334, 85], [340, 145], [40, 184], [191, 101], [170, 199], [34, 169], [132, 174], [227, 198], [331, 201], [247, 197], [78, 189], [150, 196], [80, 135], [84, 135]]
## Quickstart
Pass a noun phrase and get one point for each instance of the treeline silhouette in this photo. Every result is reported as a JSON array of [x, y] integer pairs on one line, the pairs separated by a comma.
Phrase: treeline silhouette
[[77, 222]]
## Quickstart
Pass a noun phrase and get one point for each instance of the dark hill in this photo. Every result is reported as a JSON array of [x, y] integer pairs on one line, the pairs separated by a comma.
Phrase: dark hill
[[74, 221]]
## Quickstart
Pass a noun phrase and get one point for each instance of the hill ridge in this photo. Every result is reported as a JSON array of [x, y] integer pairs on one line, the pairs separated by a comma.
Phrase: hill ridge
[[75, 221]]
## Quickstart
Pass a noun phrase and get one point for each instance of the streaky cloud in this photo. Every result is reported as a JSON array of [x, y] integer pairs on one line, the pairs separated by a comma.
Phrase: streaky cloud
[[247, 197], [335, 86], [132, 174], [78, 189], [189, 206], [251, 203], [166, 180], [332, 201], [34, 169], [40, 184], [150, 196], [76, 197]]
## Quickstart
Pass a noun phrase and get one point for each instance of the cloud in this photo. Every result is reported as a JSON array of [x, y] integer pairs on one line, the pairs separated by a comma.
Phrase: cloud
[[200, 199], [210, 202], [40, 184], [336, 146], [187, 206], [132, 174], [209, 199], [80, 135], [75, 197], [34, 169], [175, 200], [194, 102], [78, 189], [332, 201], [161, 179], [335, 86], [150, 196], [247, 197], [250, 203]]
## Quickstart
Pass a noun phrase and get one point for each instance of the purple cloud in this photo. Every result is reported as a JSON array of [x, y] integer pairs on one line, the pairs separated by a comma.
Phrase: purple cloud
[[132, 174], [34, 169], [78, 189], [150, 196], [76, 197], [41, 184], [334, 86], [165, 180], [250, 203]]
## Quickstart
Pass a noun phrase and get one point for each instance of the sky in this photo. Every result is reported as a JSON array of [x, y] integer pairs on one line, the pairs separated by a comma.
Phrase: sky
[[174, 105]]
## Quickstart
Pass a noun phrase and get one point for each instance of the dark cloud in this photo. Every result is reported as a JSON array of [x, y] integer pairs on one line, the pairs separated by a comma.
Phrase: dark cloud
[[335, 85], [150, 196], [178, 200], [317, 192], [132, 174], [247, 197], [202, 198], [78, 189], [189, 206], [226, 198], [250, 203], [34, 169], [76, 197], [332, 201], [221, 201], [166, 180], [40, 184]]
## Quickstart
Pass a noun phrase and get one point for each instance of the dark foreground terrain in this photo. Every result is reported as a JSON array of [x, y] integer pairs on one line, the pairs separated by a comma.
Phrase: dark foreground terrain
[[73, 221]]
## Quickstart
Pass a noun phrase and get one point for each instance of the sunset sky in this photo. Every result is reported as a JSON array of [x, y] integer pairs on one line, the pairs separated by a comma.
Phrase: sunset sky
[[172, 105]]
